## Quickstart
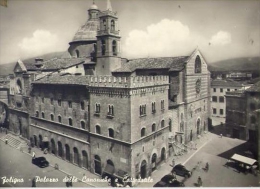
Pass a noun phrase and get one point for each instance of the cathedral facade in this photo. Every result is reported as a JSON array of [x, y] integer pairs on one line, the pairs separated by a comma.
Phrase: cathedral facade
[[108, 114]]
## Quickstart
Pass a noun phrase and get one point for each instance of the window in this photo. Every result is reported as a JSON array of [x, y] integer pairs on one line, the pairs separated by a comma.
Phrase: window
[[83, 124], [110, 110], [252, 106], [51, 101], [221, 90], [37, 114], [221, 112], [52, 117], [112, 25], [42, 99], [221, 99], [98, 129], [19, 86], [162, 123], [97, 109], [153, 127], [114, 47], [228, 90], [174, 98], [70, 104], [214, 98], [170, 125], [70, 122], [43, 116], [111, 133], [214, 111], [253, 120], [142, 132], [197, 65], [153, 107], [214, 90], [162, 104], [143, 110], [104, 24], [59, 102], [103, 47], [59, 119], [77, 53], [82, 105]]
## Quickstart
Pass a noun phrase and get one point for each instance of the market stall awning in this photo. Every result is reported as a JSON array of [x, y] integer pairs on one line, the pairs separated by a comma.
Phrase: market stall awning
[[243, 159]]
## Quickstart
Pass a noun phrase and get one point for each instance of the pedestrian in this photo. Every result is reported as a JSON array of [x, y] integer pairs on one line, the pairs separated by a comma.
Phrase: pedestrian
[[6, 141], [199, 181], [221, 135], [33, 155], [173, 162], [34, 182], [207, 167]]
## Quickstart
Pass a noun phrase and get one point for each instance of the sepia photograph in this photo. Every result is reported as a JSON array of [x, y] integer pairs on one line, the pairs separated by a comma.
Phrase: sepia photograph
[[129, 93]]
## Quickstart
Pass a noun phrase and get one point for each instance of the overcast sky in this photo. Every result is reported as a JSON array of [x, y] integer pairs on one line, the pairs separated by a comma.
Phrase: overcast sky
[[149, 28]]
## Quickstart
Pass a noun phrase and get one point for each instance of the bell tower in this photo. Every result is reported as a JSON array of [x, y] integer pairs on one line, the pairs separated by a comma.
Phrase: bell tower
[[108, 42]]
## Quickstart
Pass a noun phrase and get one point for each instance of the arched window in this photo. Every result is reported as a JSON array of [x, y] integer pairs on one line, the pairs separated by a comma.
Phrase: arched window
[[153, 127], [111, 133], [114, 47], [112, 25], [142, 132], [253, 120], [197, 64], [19, 86], [59, 119], [162, 123], [170, 125], [104, 24], [103, 47], [77, 53], [52, 117], [83, 124], [82, 105], [111, 110], [43, 116], [98, 130], [37, 114], [70, 122]]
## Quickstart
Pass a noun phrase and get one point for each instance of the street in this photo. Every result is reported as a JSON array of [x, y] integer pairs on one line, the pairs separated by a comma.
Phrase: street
[[215, 151], [18, 171]]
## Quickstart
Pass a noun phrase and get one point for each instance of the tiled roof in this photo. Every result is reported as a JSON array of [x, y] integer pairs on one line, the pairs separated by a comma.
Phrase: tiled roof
[[171, 63], [63, 80], [225, 83], [254, 88], [55, 64]]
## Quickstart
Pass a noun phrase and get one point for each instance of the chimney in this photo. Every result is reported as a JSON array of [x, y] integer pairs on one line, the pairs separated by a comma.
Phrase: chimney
[[38, 62]]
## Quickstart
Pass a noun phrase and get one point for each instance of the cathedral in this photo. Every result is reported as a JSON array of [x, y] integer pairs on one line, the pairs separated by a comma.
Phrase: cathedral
[[109, 114]]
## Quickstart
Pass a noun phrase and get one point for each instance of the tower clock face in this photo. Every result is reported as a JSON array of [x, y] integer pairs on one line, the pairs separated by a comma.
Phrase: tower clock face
[[198, 85]]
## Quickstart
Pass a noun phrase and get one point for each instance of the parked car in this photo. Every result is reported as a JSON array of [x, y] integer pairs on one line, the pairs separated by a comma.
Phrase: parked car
[[181, 170], [40, 162], [169, 181]]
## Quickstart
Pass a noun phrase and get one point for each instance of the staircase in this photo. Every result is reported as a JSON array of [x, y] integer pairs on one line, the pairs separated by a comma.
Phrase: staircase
[[14, 141]]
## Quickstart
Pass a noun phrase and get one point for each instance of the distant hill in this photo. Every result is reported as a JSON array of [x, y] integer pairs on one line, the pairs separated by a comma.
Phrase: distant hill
[[6, 69], [236, 64]]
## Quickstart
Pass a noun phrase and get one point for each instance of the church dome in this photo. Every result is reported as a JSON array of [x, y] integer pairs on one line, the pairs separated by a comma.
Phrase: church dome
[[87, 32], [93, 6]]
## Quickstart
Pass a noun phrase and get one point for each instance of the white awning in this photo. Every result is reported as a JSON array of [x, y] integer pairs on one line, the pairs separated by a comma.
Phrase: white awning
[[243, 159]]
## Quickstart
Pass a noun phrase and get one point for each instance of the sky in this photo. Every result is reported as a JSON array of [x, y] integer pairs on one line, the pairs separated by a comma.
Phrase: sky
[[148, 28]]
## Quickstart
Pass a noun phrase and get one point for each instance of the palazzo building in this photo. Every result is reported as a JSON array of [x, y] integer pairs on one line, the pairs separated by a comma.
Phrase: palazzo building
[[108, 114]]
